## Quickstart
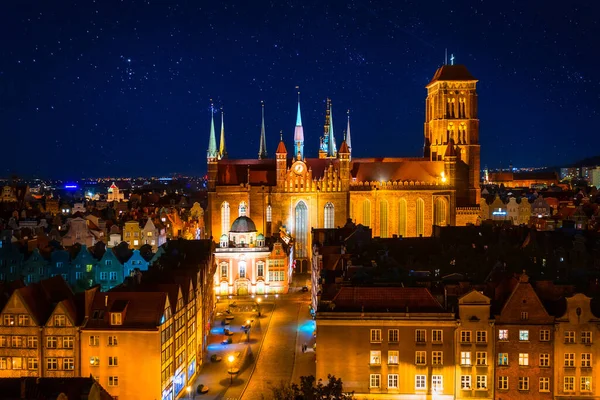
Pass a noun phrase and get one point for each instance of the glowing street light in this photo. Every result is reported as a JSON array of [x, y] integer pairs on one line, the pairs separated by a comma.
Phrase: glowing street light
[[231, 370], [258, 305], [189, 391]]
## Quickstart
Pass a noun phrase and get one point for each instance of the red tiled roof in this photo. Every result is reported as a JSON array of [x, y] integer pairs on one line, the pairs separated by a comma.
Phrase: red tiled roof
[[452, 73], [392, 170], [344, 148], [144, 310], [281, 148], [389, 298]]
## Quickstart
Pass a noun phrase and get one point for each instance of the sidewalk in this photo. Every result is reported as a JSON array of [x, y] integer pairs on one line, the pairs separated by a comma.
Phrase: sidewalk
[[304, 364], [214, 375]]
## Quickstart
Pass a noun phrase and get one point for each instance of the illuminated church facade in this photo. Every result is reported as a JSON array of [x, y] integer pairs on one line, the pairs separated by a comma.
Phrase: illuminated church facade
[[393, 196]]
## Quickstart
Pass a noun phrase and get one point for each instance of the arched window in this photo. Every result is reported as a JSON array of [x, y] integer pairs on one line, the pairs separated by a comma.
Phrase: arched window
[[269, 213], [383, 219], [301, 230], [242, 266], [366, 212], [402, 218], [224, 269], [450, 132], [329, 216], [439, 212], [462, 133], [243, 209], [420, 214], [225, 218]]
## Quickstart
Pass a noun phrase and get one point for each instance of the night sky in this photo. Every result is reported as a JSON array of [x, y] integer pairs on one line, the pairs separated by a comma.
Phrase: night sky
[[117, 88]]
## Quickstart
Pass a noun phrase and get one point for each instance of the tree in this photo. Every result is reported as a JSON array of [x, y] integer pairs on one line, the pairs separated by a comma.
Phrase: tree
[[310, 389]]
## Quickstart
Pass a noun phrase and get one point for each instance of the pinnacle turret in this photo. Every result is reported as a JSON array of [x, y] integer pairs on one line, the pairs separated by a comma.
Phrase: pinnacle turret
[[348, 138], [262, 150], [212, 153], [222, 149]]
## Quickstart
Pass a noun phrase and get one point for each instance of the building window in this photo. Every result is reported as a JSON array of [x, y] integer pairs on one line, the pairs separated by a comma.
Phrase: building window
[[51, 342], [437, 383], [103, 276], [439, 212], [242, 267], [585, 384], [32, 342], [437, 357], [420, 357], [329, 216], [60, 320], [524, 335], [113, 361], [224, 268], [68, 364], [51, 364], [436, 336], [116, 318], [502, 358], [383, 219], [420, 216], [112, 341], [375, 335], [393, 335], [523, 358], [24, 320], [481, 337], [570, 337], [465, 358], [94, 340], [544, 384], [569, 359], [544, 335], [420, 336], [503, 382], [94, 361], [524, 315], [242, 209], [17, 363], [586, 337], [393, 357], [269, 213], [544, 360], [481, 358], [393, 381], [420, 382], [260, 269], [465, 382], [113, 381], [523, 383], [113, 276], [465, 336], [9, 320], [586, 360], [402, 218], [503, 334], [17, 341], [481, 382], [375, 357], [78, 275], [136, 242], [225, 224], [366, 206], [569, 384], [68, 342], [375, 380], [301, 229], [32, 363]]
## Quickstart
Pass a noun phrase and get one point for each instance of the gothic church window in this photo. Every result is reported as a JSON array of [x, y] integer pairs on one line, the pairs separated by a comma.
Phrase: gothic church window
[[225, 218], [402, 218], [420, 216], [301, 229], [366, 212], [383, 219], [329, 216], [439, 212], [269, 213]]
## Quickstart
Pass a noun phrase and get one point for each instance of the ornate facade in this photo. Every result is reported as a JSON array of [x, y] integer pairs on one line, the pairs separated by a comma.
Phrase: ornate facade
[[393, 196]]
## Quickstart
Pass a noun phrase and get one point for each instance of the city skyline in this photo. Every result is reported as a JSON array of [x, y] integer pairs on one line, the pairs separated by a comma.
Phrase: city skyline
[[125, 88]]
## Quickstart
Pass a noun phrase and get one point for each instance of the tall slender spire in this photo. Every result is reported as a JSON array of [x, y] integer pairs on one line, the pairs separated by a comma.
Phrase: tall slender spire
[[212, 152], [299, 134], [332, 148], [348, 138], [262, 150], [222, 149]]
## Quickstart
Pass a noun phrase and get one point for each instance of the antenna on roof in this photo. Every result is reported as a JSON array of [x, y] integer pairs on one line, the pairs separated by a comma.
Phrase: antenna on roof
[[451, 59], [446, 57]]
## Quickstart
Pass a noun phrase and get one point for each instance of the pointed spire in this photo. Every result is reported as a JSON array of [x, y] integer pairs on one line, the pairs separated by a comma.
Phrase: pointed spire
[[281, 147], [262, 150], [332, 148], [222, 149], [212, 153], [348, 137], [298, 115], [299, 134]]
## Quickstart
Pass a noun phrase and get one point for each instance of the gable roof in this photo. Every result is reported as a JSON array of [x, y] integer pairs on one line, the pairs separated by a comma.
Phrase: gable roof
[[517, 302], [144, 310], [392, 299]]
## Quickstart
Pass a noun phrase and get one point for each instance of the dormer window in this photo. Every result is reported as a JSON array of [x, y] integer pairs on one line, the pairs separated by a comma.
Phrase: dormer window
[[116, 318]]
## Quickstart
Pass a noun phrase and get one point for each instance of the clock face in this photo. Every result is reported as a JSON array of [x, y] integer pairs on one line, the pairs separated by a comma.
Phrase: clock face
[[298, 168]]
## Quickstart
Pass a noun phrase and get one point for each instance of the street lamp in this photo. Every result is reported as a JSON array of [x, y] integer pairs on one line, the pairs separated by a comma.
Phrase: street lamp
[[231, 371], [258, 305], [247, 330], [189, 390]]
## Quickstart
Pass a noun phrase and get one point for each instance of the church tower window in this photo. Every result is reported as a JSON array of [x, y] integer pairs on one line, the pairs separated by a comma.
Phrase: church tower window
[[329, 216], [420, 215], [402, 218], [243, 209], [366, 212], [269, 213], [225, 218], [383, 219]]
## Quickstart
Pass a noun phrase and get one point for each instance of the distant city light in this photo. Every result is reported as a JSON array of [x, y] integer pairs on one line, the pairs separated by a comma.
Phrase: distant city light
[[70, 186]]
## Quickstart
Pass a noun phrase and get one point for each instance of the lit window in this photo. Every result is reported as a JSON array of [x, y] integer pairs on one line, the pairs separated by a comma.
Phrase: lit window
[[60, 320], [116, 319], [585, 384], [269, 213], [569, 337], [503, 382], [523, 358], [420, 382], [569, 360], [136, 242], [437, 383], [260, 269], [569, 384], [24, 320], [523, 383], [94, 361], [465, 382], [375, 380], [544, 335], [436, 336], [503, 334], [502, 358], [393, 381], [375, 335], [481, 382], [420, 357], [393, 335], [393, 357], [375, 358], [544, 360], [465, 358], [329, 216], [523, 335], [544, 384]]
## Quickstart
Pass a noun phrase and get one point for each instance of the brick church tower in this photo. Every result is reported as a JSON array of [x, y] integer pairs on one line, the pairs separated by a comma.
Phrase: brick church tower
[[451, 116]]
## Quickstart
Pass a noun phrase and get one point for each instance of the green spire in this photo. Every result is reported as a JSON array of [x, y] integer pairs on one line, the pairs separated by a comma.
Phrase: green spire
[[222, 149], [212, 141]]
